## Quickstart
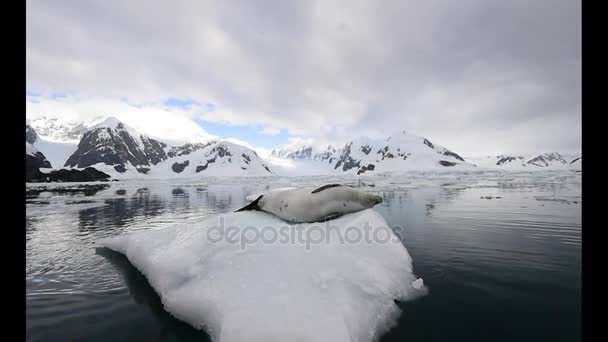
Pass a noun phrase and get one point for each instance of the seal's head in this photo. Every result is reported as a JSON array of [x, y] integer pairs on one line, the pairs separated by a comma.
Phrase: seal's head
[[369, 200]]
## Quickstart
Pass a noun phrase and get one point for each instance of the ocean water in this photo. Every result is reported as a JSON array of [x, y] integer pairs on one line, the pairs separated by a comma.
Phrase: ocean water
[[499, 252]]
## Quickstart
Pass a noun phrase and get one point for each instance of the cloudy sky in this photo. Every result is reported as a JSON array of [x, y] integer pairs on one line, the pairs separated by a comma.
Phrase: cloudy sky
[[477, 76]]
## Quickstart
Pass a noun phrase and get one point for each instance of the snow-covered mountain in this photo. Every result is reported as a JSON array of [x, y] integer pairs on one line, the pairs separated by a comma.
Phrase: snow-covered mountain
[[113, 143], [57, 129], [159, 125], [304, 152], [544, 161], [295, 152], [121, 151], [111, 146], [399, 152], [216, 158]]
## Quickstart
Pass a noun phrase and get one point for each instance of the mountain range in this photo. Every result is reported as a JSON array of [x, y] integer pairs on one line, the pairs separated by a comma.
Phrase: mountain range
[[117, 150]]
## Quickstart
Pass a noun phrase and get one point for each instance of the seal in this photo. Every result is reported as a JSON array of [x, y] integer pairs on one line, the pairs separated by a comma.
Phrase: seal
[[313, 204]]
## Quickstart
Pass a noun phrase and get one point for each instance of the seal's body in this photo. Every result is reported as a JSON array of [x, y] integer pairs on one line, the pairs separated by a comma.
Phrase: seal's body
[[311, 204]]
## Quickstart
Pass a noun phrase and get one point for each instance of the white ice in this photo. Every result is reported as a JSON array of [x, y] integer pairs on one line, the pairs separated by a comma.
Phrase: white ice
[[281, 291]]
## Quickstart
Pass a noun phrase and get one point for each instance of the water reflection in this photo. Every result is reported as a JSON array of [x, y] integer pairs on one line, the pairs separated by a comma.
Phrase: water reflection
[[167, 327]]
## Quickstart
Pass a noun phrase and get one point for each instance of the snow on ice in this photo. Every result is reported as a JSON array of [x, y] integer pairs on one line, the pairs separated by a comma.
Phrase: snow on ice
[[276, 290]]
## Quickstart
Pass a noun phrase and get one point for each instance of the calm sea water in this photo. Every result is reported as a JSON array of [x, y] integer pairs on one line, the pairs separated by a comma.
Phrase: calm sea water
[[500, 254]]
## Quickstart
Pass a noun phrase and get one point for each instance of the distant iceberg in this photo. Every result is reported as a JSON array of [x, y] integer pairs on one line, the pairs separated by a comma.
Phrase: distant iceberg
[[272, 289]]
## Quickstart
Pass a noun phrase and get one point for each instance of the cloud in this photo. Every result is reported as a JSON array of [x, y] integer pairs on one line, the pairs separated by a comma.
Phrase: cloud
[[472, 74]]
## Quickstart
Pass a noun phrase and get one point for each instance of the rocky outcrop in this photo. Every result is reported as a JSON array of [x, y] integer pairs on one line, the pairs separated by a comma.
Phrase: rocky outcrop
[[30, 134], [329, 155], [345, 160], [33, 163], [34, 159], [154, 150], [451, 154], [113, 143], [369, 167], [186, 149], [504, 160], [545, 159], [88, 174], [179, 167]]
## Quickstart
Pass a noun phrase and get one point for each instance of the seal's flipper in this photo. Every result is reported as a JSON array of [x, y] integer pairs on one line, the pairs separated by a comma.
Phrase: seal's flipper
[[331, 217], [251, 206], [325, 187]]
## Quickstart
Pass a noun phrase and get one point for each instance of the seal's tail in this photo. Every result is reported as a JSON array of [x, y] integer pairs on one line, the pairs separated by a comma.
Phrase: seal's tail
[[251, 206]]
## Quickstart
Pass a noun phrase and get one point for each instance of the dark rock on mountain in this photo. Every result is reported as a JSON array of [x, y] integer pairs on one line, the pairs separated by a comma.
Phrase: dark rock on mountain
[[451, 154], [154, 150], [108, 146], [298, 153], [305, 153], [185, 149], [446, 163], [505, 160], [544, 159], [33, 163], [385, 153], [220, 150], [358, 153], [34, 159], [225, 156], [328, 155], [428, 143], [38, 160], [179, 167], [444, 152], [30, 134], [369, 167], [345, 160], [246, 158], [112, 143]]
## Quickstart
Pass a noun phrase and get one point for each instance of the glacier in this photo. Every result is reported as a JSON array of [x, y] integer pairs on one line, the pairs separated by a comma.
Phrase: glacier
[[336, 290]]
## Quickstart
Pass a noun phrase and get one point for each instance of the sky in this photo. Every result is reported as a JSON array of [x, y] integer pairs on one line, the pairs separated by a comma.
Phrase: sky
[[476, 76]]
